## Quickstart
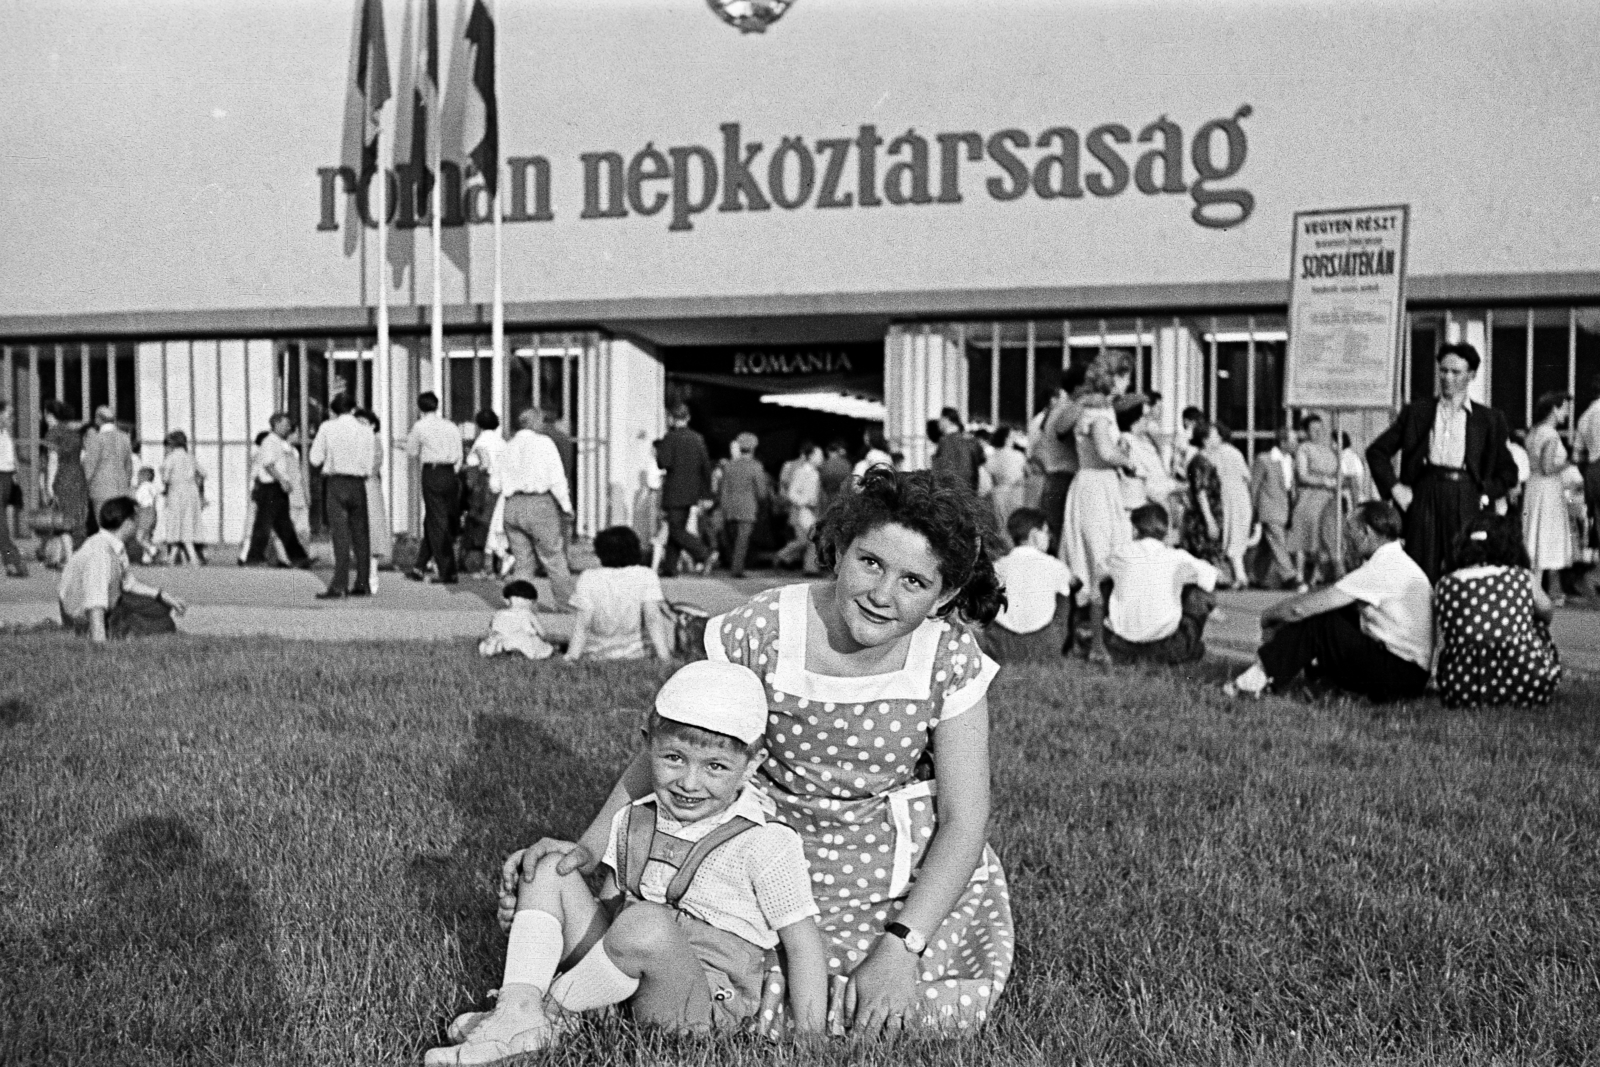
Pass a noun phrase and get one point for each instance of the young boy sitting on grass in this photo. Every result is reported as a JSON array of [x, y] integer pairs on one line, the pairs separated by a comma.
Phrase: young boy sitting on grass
[[1160, 596], [1033, 625], [697, 887]]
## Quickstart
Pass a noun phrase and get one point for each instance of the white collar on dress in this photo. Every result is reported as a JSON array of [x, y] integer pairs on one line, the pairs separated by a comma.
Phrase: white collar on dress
[[911, 682]]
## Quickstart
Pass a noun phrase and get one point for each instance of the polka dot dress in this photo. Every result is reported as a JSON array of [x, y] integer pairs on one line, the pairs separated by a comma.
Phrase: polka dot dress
[[1493, 651], [844, 773]]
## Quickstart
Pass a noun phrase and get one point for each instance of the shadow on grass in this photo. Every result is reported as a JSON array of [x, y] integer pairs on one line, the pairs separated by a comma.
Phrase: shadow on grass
[[168, 961], [520, 783]]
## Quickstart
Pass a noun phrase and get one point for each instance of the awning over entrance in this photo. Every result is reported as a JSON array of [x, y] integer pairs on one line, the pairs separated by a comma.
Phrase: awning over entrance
[[855, 369], [851, 407]]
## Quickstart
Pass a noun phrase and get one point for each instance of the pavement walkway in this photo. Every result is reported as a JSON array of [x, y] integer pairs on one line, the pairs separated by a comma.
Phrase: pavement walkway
[[230, 601]]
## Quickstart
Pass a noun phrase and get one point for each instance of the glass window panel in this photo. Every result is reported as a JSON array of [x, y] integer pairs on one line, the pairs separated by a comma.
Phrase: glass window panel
[[125, 367], [1013, 386], [1588, 357], [1508, 382], [1269, 386], [553, 386], [1046, 373], [1232, 370], [1427, 333], [979, 361], [1549, 351]]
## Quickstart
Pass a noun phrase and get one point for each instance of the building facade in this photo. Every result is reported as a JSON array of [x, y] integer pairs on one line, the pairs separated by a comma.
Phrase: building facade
[[904, 204]]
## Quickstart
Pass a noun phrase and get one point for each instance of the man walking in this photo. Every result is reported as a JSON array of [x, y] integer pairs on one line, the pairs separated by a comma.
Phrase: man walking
[[275, 476], [8, 473], [107, 459], [743, 491], [1453, 461], [530, 478], [686, 482], [344, 449], [1271, 496], [805, 497], [959, 455], [436, 444]]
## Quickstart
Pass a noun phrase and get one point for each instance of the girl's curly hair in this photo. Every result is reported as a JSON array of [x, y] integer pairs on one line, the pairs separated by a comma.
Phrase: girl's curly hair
[[959, 528]]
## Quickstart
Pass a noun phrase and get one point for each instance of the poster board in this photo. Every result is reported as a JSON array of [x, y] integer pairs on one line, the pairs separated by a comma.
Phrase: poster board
[[1346, 307]]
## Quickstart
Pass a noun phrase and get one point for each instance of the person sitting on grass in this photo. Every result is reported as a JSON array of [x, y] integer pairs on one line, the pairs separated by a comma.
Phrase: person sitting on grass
[[1160, 597], [515, 628], [99, 595], [1033, 625], [1495, 647], [619, 603], [699, 885], [1370, 633]]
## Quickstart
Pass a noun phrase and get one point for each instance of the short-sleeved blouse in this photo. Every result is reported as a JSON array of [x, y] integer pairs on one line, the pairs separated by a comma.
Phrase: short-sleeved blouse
[[845, 768], [1493, 650]]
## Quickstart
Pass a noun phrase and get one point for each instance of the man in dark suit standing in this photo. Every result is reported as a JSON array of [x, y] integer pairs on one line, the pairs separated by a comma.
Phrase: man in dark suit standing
[[686, 482], [1453, 461], [1271, 494]]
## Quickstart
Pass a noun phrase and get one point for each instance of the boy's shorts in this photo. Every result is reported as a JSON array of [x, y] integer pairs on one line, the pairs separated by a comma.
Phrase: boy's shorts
[[734, 969]]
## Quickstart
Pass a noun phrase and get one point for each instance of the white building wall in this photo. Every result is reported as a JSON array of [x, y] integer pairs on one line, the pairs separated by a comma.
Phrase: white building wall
[[635, 386], [924, 370]]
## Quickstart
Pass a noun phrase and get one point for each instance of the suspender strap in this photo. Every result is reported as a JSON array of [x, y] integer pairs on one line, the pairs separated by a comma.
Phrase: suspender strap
[[642, 844], [634, 850], [697, 855]]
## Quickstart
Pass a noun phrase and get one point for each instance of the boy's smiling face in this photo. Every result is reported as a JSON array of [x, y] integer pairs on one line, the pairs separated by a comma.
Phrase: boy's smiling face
[[696, 780]]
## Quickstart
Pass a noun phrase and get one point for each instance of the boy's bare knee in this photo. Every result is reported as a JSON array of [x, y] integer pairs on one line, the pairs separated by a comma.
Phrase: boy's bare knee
[[642, 931]]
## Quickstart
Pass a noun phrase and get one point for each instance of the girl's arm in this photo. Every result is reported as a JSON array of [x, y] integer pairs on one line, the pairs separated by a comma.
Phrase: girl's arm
[[1107, 443], [585, 853], [580, 633], [807, 976], [884, 988]]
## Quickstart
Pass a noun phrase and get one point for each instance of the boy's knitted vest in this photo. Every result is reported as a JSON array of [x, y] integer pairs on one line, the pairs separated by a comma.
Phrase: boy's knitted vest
[[643, 842]]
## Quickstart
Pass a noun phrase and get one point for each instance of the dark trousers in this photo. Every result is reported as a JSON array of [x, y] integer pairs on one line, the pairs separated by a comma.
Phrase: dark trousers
[[8, 548], [680, 539], [1046, 645], [740, 532], [1332, 647], [133, 615], [345, 498], [1053, 502], [272, 517], [441, 492], [1440, 509], [1184, 645]]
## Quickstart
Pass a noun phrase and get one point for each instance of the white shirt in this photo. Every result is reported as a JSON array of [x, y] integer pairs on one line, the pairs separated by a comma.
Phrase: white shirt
[[531, 464], [1032, 581], [433, 440], [487, 448], [1150, 480], [1585, 436], [1147, 594], [1519, 456], [1447, 446], [1396, 603], [96, 576], [344, 445], [751, 887], [146, 495], [805, 487], [875, 457], [8, 455], [1286, 464], [615, 596]]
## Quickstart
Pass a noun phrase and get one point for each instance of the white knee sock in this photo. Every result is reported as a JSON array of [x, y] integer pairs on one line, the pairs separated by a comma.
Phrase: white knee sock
[[534, 949], [593, 983]]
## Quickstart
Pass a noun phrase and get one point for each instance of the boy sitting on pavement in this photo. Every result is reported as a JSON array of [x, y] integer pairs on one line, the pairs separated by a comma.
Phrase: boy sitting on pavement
[[1160, 596], [1034, 624], [99, 595], [698, 888], [515, 627]]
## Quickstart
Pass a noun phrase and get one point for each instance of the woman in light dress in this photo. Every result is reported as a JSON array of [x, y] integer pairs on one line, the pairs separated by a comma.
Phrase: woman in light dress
[[1237, 513], [380, 529], [1316, 476], [185, 495], [1094, 523], [1545, 526], [1007, 469]]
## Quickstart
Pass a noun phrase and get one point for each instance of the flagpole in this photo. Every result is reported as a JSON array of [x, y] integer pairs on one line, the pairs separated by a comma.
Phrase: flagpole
[[497, 337], [383, 357]]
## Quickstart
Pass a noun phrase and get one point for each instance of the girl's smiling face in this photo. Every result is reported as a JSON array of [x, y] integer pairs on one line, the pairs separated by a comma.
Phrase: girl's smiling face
[[888, 582]]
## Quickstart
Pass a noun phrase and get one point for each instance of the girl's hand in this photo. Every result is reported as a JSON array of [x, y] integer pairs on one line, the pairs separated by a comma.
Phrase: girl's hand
[[576, 858], [1211, 529], [883, 990]]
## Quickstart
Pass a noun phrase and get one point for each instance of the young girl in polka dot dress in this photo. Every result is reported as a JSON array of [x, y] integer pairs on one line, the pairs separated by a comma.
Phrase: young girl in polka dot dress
[[1494, 638], [877, 734]]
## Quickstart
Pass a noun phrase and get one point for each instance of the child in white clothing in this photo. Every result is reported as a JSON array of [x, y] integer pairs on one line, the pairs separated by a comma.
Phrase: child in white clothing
[[146, 496], [515, 628], [1160, 596], [698, 886], [1034, 624], [619, 604]]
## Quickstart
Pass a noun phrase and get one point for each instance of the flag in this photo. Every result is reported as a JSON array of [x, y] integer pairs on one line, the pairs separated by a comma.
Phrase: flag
[[471, 134], [367, 92], [415, 139]]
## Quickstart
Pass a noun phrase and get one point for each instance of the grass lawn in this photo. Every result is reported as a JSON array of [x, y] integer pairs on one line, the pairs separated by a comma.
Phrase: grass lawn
[[275, 853]]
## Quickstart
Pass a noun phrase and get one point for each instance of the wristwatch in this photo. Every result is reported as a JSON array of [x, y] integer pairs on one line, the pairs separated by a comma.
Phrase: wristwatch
[[915, 942]]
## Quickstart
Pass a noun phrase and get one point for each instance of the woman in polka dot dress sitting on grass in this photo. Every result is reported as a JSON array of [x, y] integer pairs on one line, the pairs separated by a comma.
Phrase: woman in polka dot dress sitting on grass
[[1494, 622], [874, 683]]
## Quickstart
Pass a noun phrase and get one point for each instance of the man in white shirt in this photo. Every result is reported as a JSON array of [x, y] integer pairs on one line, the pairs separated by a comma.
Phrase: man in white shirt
[[1034, 624], [1371, 633], [346, 450], [1586, 454], [274, 476], [8, 472], [804, 495], [98, 594], [1160, 596], [435, 443], [530, 477]]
